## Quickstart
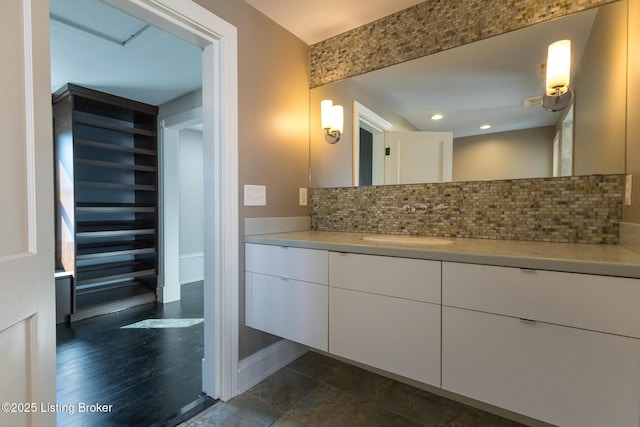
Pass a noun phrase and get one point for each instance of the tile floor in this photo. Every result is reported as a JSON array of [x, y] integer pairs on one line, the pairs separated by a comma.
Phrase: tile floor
[[317, 391]]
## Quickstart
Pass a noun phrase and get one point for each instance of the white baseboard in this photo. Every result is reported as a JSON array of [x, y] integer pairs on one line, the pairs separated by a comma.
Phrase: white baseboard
[[191, 267], [263, 363], [167, 294]]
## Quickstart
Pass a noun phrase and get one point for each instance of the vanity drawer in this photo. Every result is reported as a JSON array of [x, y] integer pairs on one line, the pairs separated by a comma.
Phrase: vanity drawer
[[394, 334], [564, 376], [413, 279], [599, 303], [309, 265], [291, 309]]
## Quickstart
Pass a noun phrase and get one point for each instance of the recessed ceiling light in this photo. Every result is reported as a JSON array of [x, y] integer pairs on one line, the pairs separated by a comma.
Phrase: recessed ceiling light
[[436, 117], [485, 127]]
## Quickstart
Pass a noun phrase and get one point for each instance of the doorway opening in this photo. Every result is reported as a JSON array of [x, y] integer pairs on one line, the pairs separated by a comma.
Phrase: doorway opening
[[217, 39]]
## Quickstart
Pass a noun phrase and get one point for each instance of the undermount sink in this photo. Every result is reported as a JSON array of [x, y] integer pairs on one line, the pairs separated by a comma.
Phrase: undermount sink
[[411, 240]]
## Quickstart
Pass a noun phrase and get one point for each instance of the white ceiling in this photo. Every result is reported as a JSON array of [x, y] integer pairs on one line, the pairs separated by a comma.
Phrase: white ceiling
[[153, 67], [313, 21]]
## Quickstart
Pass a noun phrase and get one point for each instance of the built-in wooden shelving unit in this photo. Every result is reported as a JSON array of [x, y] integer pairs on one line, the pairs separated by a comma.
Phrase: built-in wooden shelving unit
[[107, 192]]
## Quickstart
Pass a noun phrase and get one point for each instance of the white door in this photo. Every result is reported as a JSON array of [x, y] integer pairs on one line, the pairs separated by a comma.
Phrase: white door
[[27, 319], [417, 157]]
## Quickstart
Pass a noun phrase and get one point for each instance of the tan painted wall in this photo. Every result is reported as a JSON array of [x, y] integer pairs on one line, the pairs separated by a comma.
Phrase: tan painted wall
[[632, 213], [273, 124], [599, 141], [506, 155]]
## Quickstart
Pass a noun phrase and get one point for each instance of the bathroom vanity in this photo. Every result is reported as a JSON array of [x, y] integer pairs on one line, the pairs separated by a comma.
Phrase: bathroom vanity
[[547, 330]]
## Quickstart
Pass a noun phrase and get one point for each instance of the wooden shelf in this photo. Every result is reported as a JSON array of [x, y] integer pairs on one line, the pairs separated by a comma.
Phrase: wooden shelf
[[115, 186], [93, 230], [101, 288], [113, 208], [115, 147], [114, 165], [102, 250], [112, 271], [113, 126], [118, 294], [88, 226]]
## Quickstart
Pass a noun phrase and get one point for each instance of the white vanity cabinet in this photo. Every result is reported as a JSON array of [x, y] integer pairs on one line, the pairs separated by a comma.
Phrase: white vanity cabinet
[[385, 312], [286, 293], [563, 348], [559, 347]]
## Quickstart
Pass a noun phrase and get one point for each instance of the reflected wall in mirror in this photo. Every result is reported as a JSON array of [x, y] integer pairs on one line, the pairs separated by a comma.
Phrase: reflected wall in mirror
[[499, 82]]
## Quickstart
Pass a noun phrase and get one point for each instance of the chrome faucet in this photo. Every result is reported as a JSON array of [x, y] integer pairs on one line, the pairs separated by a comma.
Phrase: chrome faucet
[[420, 208]]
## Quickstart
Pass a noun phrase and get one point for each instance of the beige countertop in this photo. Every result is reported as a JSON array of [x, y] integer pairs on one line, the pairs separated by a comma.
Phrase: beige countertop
[[609, 260]]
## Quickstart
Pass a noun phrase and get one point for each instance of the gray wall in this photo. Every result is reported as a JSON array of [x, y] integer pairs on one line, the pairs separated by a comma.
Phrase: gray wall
[[273, 124], [524, 153]]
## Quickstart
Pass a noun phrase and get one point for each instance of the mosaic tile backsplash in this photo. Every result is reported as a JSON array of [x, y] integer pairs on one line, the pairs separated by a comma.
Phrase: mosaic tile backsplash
[[428, 27], [580, 209]]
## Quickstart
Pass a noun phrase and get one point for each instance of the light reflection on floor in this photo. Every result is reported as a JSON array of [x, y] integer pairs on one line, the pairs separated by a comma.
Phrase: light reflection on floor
[[163, 323]]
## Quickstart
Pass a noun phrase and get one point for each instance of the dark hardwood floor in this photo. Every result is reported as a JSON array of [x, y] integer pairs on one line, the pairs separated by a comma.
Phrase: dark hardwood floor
[[150, 376]]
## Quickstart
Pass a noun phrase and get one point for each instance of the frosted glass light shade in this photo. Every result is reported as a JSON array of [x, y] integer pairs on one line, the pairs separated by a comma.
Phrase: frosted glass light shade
[[558, 66], [332, 116], [338, 118], [326, 113]]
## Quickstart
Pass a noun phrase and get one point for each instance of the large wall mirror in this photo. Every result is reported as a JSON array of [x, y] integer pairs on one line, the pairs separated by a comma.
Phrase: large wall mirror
[[496, 82]]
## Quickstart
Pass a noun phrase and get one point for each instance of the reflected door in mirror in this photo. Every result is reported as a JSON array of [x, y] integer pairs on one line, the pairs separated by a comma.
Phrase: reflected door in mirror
[[418, 157]]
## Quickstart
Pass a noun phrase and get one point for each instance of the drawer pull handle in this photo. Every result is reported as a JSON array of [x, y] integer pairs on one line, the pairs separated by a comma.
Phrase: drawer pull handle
[[528, 270], [528, 321]]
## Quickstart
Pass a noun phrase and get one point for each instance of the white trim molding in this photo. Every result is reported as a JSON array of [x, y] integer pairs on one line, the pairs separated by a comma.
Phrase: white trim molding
[[266, 362], [168, 215], [362, 114], [219, 41]]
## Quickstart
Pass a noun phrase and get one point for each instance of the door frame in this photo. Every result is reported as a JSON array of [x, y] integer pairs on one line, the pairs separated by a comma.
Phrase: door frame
[[378, 125], [218, 39]]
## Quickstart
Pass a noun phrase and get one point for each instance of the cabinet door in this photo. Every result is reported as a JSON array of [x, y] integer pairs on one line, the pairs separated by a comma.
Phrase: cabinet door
[[288, 308], [561, 375], [309, 265], [393, 334]]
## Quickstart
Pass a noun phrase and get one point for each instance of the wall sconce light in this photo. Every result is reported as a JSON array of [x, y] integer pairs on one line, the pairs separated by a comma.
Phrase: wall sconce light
[[558, 95], [332, 120]]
